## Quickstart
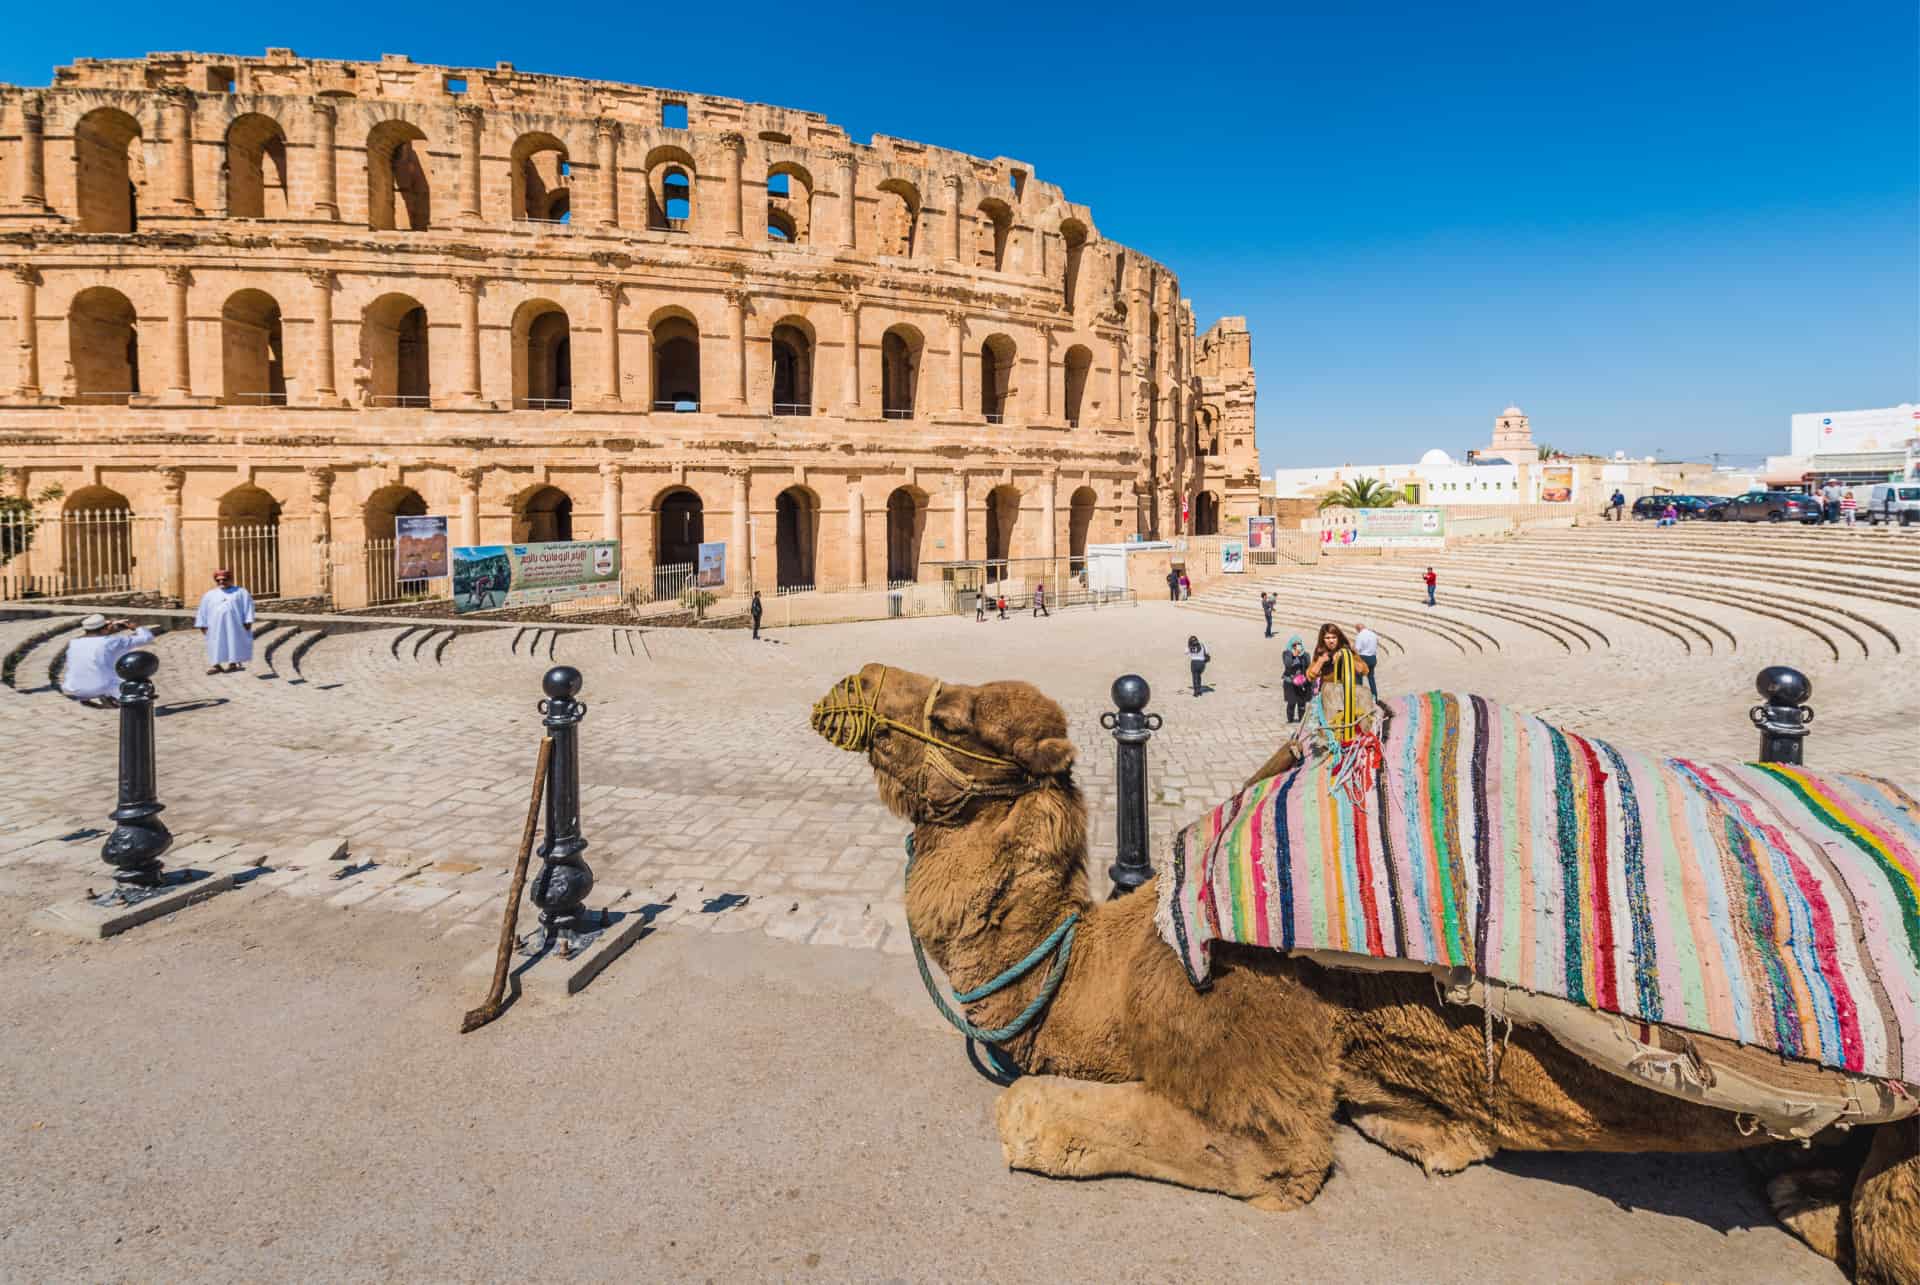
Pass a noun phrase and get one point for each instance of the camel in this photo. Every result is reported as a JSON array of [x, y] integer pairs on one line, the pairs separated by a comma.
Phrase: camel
[[1131, 1071]]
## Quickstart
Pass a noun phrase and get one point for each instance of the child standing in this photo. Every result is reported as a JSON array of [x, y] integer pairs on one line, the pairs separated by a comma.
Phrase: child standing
[[1197, 659]]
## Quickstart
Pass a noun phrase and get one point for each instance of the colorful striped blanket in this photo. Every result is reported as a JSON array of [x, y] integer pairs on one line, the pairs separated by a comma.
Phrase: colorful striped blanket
[[1767, 904]]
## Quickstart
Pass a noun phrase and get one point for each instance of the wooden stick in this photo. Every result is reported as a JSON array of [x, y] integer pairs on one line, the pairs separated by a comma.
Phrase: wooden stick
[[496, 996]]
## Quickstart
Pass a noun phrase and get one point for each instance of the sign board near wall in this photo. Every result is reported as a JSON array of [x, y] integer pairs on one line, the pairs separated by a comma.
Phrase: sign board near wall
[[1233, 557], [1402, 528], [488, 576], [1260, 537], [420, 548], [1556, 484], [712, 570]]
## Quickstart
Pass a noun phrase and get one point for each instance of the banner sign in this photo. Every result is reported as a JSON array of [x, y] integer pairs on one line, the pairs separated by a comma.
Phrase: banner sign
[[712, 568], [1233, 557], [420, 548], [1402, 528], [1260, 534], [1556, 483], [528, 575]]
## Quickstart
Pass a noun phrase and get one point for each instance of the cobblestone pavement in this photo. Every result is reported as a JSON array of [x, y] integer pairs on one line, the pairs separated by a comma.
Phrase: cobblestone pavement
[[702, 782]]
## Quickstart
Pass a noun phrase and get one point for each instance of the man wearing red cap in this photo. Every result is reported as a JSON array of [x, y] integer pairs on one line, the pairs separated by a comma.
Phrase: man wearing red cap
[[226, 619]]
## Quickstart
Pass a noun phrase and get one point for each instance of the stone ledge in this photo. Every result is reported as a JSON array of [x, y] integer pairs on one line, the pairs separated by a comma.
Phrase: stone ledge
[[90, 922]]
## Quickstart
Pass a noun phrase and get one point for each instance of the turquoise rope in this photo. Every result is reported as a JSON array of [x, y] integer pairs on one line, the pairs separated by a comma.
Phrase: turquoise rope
[[1061, 937]]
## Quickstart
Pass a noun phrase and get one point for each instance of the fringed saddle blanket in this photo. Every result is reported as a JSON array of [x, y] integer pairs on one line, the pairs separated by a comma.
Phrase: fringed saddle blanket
[[1762, 903]]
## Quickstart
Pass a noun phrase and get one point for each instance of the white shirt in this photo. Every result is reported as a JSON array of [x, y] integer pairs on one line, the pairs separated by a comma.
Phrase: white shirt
[[1366, 644], [90, 661]]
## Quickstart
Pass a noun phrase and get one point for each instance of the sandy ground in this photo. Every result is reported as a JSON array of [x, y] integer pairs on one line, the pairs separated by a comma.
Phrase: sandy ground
[[250, 1091]]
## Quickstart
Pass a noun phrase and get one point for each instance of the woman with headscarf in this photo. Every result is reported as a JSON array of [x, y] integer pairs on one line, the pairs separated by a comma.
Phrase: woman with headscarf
[[1294, 682]]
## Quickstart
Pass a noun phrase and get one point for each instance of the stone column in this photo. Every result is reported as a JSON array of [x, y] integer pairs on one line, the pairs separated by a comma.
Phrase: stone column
[[1036, 252], [320, 527], [856, 532], [469, 337], [20, 569], [179, 371], [850, 367], [1117, 412], [955, 220], [31, 180], [1045, 384], [736, 149], [740, 573], [609, 339], [325, 202], [26, 330], [610, 500], [643, 340], [844, 176], [959, 536], [173, 565], [957, 329], [606, 143], [180, 147], [469, 161], [470, 479], [1050, 530], [737, 349], [322, 377]]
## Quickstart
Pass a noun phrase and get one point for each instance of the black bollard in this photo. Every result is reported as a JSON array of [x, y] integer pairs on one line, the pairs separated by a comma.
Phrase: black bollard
[[1132, 728], [139, 836], [564, 879], [1784, 718]]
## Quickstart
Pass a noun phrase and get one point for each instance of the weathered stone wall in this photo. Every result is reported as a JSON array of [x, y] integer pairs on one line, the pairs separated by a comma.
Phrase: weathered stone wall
[[363, 289]]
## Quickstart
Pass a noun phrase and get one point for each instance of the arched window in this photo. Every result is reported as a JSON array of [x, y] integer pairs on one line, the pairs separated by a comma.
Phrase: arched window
[[899, 371], [103, 345], [1074, 234], [1003, 516], [384, 583], [540, 176], [997, 357], [679, 525], [676, 364], [792, 370], [249, 539], [796, 532], [789, 204], [992, 226], [96, 541], [253, 368], [1079, 523], [543, 515], [1075, 367], [1206, 514], [394, 352], [399, 186], [906, 524], [256, 168], [108, 170], [897, 218], [542, 357], [670, 172]]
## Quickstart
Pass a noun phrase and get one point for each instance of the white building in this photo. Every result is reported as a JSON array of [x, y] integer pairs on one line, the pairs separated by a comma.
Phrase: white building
[[1852, 445]]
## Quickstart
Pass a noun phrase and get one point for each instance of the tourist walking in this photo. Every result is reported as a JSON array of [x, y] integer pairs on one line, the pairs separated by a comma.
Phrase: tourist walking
[[1186, 587], [1040, 601], [980, 607], [1197, 659], [1618, 506], [1267, 602], [754, 612], [1830, 500], [1173, 585], [1293, 678], [88, 676], [225, 617], [1366, 645], [1003, 606], [1431, 581], [1847, 504]]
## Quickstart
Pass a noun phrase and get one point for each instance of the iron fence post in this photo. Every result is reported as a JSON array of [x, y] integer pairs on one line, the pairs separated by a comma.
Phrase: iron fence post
[[564, 879], [1784, 717], [139, 836], [1132, 728]]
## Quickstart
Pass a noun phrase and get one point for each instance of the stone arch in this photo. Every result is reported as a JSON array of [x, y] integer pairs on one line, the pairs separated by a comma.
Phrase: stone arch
[[906, 526], [96, 540], [108, 170], [1075, 367], [679, 526], [670, 174], [542, 356], [793, 350], [1206, 514], [399, 180], [256, 168], [541, 515], [394, 349], [992, 226], [1206, 432], [1080, 510], [796, 537], [900, 357], [539, 170], [789, 202], [386, 504], [897, 218], [676, 360], [249, 539], [103, 346], [997, 360], [1003, 519], [253, 367], [1073, 234]]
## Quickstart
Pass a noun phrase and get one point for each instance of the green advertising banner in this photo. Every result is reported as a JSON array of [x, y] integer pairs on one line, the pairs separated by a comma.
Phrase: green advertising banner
[[490, 576]]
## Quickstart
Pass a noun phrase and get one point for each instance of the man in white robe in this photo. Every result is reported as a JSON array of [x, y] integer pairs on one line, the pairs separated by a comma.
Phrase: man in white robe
[[226, 618], [88, 676]]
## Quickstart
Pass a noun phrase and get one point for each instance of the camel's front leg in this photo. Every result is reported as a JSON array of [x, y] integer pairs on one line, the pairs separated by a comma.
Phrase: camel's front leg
[[1082, 1129]]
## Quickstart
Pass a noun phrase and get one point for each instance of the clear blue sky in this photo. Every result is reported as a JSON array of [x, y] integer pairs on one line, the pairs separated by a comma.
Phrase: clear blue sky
[[1654, 226]]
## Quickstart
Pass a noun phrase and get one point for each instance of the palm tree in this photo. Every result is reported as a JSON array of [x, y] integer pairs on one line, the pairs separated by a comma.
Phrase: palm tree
[[1362, 493]]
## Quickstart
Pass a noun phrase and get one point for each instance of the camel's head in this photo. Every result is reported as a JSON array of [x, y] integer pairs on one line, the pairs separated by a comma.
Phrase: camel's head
[[935, 748]]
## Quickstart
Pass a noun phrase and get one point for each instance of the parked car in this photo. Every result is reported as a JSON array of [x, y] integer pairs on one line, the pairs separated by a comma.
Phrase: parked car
[[1688, 506], [1769, 506], [1891, 502]]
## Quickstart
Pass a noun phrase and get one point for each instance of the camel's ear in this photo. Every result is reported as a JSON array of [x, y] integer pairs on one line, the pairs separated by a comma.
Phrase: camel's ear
[[952, 711], [1046, 756]]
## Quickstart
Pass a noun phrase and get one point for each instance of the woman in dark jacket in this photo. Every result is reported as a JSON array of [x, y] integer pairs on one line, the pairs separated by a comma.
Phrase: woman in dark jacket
[[1294, 663]]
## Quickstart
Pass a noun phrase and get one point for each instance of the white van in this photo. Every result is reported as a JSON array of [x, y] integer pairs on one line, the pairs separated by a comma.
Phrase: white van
[[1892, 502]]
